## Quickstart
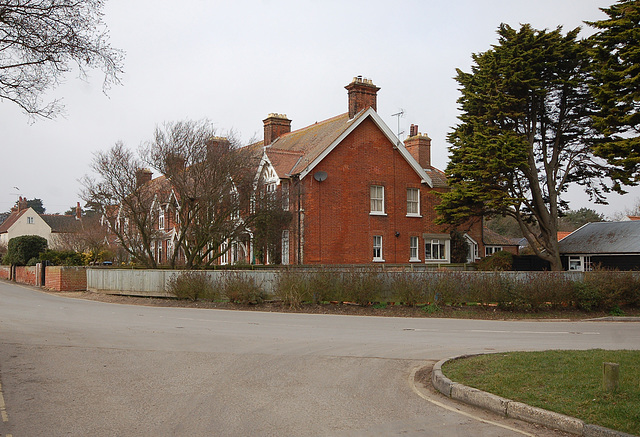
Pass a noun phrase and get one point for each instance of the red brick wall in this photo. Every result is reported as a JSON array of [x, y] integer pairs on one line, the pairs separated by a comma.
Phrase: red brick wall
[[61, 278], [26, 275], [338, 227], [5, 272]]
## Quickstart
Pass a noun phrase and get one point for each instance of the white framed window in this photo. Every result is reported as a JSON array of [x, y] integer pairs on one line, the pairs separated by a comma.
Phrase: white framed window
[[436, 249], [580, 263], [377, 199], [414, 243], [490, 250], [224, 258], [161, 219], [29, 220], [413, 202], [285, 247], [377, 248], [575, 264]]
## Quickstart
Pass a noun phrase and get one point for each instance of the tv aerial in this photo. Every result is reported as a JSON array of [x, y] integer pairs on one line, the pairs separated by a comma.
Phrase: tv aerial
[[399, 114]]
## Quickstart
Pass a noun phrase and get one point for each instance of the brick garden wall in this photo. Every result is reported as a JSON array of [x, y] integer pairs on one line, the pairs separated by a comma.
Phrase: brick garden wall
[[26, 275], [57, 278], [62, 278], [5, 272]]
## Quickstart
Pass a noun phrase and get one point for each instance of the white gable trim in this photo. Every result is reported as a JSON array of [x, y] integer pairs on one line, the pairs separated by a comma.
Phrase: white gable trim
[[266, 162], [388, 133]]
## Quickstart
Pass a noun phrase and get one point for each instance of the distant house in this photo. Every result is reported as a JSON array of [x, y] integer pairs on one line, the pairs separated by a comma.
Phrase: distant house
[[494, 242], [605, 244], [23, 220]]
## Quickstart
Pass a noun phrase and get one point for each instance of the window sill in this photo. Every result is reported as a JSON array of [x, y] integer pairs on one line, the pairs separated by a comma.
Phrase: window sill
[[437, 261], [378, 260], [414, 215], [378, 214], [414, 260]]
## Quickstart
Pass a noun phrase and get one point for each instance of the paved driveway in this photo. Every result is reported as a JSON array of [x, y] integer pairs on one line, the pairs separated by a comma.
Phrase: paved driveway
[[76, 368]]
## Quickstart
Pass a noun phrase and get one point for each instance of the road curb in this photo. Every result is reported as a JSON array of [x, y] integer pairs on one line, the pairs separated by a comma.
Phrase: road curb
[[512, 409]]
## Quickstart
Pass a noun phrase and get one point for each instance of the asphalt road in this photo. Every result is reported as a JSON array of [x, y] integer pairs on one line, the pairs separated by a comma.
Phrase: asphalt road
[[83, 368]]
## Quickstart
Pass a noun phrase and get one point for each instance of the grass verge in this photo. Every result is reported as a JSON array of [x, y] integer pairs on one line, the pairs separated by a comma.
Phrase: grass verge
[[567, 382]]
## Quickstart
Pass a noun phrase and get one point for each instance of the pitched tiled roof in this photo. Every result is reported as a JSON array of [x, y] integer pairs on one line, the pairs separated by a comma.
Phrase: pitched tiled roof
[[296, 150], [492, 238], [13, 217], [438, 177]]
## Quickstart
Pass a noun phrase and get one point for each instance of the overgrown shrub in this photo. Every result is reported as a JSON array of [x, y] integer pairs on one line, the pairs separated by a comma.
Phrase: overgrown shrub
[[409, 289], [193, 285], [325, 286], [242, 289], [293, 288], [499, 261], [586, 296], [363, 286], [447, 287], [615, 288], [536, 291]]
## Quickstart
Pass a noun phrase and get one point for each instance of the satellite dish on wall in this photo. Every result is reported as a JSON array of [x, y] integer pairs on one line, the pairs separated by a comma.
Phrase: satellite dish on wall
[[320, 176]]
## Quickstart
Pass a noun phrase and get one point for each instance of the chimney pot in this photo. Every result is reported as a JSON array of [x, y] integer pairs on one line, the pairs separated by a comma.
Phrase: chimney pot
[[362, 95], [275, 125]]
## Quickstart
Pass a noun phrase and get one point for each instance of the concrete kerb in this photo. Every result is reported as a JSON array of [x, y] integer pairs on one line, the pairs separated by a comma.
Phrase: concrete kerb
[[512, 409]]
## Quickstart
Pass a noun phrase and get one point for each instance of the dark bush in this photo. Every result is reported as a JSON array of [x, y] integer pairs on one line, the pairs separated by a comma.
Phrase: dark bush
[[22, 249], [499, 261], [62, 257]]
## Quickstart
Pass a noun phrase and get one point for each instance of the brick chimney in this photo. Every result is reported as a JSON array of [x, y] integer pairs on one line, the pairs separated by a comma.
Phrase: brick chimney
[[362, 95], [78, 211], [143, 176], [22, 203], [275, 125], [419, 145]]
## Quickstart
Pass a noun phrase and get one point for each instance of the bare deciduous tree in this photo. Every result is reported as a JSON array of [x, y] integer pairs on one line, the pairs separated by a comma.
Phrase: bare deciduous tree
[[124, 198], [41, 40], [211, 178]]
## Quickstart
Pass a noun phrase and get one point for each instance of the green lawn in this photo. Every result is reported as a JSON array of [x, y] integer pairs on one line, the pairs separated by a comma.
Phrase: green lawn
[[567, 382]]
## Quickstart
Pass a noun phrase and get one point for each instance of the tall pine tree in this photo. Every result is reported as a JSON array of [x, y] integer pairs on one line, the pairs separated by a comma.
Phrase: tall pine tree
[[525, 134], [616, 71]]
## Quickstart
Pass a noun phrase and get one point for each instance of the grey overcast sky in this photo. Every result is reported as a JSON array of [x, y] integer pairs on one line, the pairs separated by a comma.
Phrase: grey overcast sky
[[234, 62]]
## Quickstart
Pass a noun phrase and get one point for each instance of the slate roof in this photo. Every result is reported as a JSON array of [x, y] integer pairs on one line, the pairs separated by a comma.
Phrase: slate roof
[[62, 223], [603, 238]]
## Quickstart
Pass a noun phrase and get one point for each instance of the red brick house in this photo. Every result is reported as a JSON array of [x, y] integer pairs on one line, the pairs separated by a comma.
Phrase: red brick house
[[357, 194]]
